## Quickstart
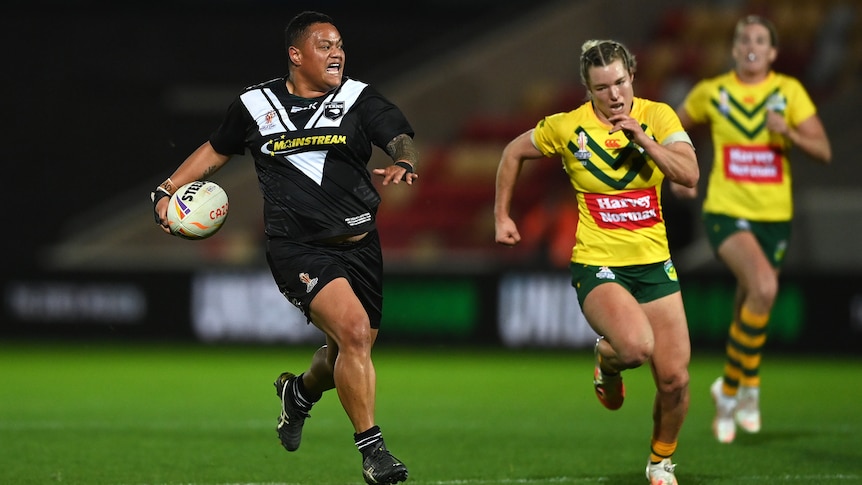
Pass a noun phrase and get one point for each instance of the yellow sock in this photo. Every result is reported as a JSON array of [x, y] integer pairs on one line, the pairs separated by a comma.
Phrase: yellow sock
[[659, 450], [756, 323], [745, 342], [732, 370]]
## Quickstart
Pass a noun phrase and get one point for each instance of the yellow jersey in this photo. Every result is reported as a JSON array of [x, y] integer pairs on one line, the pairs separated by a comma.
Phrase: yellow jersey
[[750, 176], [618, 185]]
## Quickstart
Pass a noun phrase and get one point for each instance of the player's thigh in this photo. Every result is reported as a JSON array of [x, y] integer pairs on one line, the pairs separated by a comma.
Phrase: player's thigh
[[745, 258], [337, 311], [615, 314], [672, 351]]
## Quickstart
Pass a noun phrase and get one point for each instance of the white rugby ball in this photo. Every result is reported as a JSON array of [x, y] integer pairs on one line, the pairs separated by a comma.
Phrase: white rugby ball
[[197, 210]]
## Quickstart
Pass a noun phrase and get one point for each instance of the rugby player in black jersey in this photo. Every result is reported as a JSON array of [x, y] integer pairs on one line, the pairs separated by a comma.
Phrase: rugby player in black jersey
[[311, 135]]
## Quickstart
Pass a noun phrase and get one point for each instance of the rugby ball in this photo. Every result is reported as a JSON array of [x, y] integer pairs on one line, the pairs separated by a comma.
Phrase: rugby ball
[[197, 210]]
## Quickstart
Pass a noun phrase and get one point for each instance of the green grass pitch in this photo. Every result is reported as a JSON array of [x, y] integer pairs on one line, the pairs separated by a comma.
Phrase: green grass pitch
[[98, 413]]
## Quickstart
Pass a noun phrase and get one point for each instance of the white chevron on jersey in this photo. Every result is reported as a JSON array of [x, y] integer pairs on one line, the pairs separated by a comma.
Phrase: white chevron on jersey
[[267, 111], [271, 117], [310, 163], [347, 94]]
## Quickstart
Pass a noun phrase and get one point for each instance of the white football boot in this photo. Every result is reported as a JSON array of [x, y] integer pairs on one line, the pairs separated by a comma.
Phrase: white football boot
[[661, 473], [748, 409], [723, 426]]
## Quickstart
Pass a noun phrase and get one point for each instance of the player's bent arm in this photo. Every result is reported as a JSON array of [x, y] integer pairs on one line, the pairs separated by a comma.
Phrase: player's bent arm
[[811, 138], [676, 160], [202, 163], [683, 192], [514, 155]]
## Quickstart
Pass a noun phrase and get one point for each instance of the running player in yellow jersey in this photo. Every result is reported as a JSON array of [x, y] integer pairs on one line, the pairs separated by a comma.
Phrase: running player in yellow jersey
[[755, 115], [617, 149]]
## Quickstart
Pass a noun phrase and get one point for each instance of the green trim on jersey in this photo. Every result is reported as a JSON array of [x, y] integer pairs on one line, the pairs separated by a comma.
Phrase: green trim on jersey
[[628, 153], [751, 175], [755, 112], [617, 184]]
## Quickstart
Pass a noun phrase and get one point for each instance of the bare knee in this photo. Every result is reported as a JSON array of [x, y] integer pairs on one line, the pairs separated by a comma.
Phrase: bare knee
[[354, 334], [672, 382], [632, 354], [763, 293], [759, 288]]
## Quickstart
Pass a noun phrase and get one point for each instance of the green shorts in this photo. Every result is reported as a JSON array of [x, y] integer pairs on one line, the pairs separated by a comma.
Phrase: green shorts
[[773, 237], [646, 282]]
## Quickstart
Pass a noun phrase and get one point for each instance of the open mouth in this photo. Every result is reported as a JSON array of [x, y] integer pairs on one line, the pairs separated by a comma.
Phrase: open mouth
[[333, 68]]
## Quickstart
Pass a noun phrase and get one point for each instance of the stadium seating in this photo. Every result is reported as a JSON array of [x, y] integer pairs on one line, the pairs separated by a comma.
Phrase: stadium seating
[[453, 206]]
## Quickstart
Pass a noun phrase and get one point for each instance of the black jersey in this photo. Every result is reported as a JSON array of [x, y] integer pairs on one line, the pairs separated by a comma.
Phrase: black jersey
[[311, 155]]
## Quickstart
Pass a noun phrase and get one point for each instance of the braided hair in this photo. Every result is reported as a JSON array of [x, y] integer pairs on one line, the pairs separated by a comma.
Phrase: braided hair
[[602, 53]]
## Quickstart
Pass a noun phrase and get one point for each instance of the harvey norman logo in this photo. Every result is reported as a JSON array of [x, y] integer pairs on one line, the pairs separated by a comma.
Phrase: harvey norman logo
[[753, 164], [633, 209]]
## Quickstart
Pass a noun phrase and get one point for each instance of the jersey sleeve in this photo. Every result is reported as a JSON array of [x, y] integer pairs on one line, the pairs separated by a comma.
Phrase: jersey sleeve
[[385, 120], [697, 102], [544, 136], [800, 107], [667, 126], [230, 137]]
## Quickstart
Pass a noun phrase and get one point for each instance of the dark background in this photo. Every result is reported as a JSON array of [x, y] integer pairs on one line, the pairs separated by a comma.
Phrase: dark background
[[103, 100], [85, 86]]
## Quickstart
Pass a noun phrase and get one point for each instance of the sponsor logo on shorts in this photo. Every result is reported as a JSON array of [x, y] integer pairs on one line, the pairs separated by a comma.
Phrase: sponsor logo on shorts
[[308, 280], [670, 270], [780, 250], [605, 273]]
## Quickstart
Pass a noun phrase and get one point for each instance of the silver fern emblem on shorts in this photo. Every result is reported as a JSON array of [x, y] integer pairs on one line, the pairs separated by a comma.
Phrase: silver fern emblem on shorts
[[308, 280]]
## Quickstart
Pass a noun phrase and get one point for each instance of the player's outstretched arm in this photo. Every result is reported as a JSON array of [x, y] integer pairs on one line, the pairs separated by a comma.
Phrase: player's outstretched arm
[[404, 157]]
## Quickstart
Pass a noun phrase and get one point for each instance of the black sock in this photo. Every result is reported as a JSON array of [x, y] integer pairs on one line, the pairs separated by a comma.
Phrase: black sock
[[300, 395], [367, 441]]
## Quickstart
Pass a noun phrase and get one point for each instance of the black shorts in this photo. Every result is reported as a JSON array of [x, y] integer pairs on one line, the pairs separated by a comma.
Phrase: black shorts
[[302, 269]]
